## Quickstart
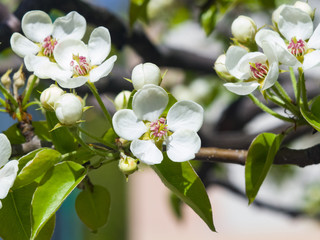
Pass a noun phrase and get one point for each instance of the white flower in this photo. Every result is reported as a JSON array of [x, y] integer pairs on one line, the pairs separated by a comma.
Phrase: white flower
[[253, 69], [145, 73], [148, 128], [305, 7], [8, 172], [243, 28], [68, 109], [122, 99], [41, 38], [83, 62], [296, 26], [49, 96]]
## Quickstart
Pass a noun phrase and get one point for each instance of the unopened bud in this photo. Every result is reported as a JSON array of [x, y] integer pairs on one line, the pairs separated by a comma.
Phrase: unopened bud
[[305, 7], [6, 80], [68, 109], [122, 99], [128, 165], [49, 96], [276, 15], [147, 73], [19, 78], [29, 81], [244, 29], [221, 70]]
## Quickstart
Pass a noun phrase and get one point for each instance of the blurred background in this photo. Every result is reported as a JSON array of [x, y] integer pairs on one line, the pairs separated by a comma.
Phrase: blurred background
[[185, 38]]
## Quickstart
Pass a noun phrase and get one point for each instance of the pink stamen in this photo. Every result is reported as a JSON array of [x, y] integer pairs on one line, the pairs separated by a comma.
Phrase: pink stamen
[[159, 129], [259, 70], [297, 47], [48, 46], [80, 65]]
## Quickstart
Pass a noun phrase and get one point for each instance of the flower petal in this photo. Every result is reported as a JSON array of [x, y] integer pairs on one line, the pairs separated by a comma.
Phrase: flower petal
[[311, 60], [127, 125], [146, 151], [103, 70], [242, 88], [36, 25], [186, 115], [271, 77], [5, 149], [7, 176], [233, 55], [149, 102], [64, 51], [183, 145], [22, 46], [73, 25], [72, 82], [294, 22], [99, 45], [314, 41]]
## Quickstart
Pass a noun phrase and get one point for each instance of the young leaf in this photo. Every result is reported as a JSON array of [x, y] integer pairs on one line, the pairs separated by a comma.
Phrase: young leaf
[[14, 135], [312, 119], [41, 129], [260, 157], [47, 230], [53, 189], [209, 19], [138, 10], [182, 180], [93, 206]]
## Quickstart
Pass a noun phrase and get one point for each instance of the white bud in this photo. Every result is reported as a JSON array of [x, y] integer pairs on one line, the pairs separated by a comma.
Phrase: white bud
[[305, 7], [244, 29], [147, 73], [276, 15], [122, 99], [221, 70], [6, 80], [68, 109], [49, 96]]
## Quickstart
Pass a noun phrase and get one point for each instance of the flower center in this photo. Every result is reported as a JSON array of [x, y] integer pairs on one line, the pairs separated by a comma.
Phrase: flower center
[[48, 46], [80, 65], [258, 70], [297, 47], [158, 129]]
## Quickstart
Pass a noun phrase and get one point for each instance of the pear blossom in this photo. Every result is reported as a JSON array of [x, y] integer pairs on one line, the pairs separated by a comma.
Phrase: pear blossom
[[49, 96], [68, 108], [253, 69], [149, 128], [41, 38], [145, 73], [84, 62], [122, 99], [8, 172], [303, 47], [243, 28]]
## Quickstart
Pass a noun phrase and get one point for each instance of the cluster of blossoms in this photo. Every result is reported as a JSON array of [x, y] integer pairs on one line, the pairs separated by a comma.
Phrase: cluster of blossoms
[[55, 50], [292, 43]]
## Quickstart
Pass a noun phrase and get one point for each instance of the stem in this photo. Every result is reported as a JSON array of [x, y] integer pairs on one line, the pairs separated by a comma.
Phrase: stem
[[29, 91], [103, 107], [268, 110], [113, 146], [303, 89], [7, 95], [294, 83], [30, 104]]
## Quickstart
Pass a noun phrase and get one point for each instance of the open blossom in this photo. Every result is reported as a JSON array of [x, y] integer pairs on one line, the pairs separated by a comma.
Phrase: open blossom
[[8, 172], [84, 62], [41, 38], [149, 129], [303, 47], [253, 69]]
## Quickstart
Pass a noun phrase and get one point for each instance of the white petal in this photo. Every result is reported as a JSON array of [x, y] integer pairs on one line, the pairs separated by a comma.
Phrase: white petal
[[103, 70], [233, 55], [314, 41], [149, 102], [146, 151], [127, 125], [270, 36], [73, 25], [285, 57], [270, 51], [186, 115], [183, 145], [73, 82], [22, 46], [242, 88], [7, 176], [99, 45], [64, 51], [311, 60], [5, 149], [271, 77], [294, 22], [36, 25]]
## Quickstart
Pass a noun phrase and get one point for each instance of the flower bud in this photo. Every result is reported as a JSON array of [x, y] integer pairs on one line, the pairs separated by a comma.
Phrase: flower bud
[[128, 165], [305, 7], [19, 78], [147, 73], [68, 109], [29, 81], [6, 80], [122, 99], [244, 29], [276, 15], [221, 70], [49, 96]]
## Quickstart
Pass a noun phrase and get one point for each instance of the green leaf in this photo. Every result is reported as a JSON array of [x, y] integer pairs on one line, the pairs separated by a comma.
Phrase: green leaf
[[110, 136], [312, 119], [209, 19], [93, 206], [81, 156], [47, 230], [41, 129], [36, 167], [62, 139], [53, 189], [14, 134], [28, 157], [315, 108], [260, 157], [15, 214], [176, 205], [138, 10], [182, 180]]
